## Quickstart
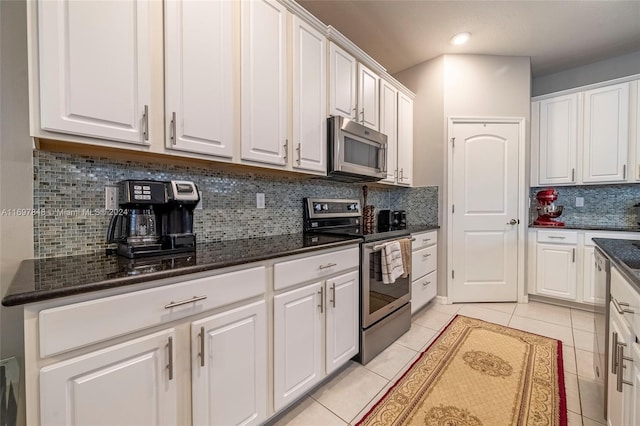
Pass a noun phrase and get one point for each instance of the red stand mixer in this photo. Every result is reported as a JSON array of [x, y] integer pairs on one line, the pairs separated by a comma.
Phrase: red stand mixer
[[547, 209]]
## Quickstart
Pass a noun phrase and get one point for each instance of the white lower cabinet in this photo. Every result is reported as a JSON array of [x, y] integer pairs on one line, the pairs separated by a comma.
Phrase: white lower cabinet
[[556, 270], [424, 261], [619, 399], [315, 324], [229, 374], [129, 383]]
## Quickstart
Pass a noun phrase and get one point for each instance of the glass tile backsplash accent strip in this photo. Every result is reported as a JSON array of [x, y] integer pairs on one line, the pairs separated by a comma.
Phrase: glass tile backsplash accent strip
[[604, 205], [69, 191]]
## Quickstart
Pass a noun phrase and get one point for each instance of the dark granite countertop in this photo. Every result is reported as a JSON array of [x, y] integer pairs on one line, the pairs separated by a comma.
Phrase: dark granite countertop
[[414, 229], [591, 227], [50, 278], [624, 255]]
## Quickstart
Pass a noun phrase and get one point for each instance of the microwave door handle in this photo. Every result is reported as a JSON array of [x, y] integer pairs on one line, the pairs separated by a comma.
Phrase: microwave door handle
[[383, 154]]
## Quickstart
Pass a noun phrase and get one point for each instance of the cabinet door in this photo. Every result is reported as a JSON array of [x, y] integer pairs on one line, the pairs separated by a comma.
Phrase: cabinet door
[[619, 403], [556, 270], [389, 126], [342, 82], [589, 276], [264, 99], [309, 98], [131, 383], [229, 367], [368, 98], [558, 140], [405, 139], [423, 290], [200, 104], [94, 61], [297, 346], [634, 408], [343, 308], [606, 139]]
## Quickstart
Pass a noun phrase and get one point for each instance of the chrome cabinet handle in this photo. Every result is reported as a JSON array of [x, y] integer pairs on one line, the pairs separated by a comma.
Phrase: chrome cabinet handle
[[618, 306], [573, 175], [145, 123], [426, 255], [184, 302], [621, 359], [624, 171], [286, 149], [172, 129], [574, 255], [201, 353], [321, 305], [614, 353], [170, 365], [402, 173], [333, 295], [299, 154], [362, 112], [328, 265]]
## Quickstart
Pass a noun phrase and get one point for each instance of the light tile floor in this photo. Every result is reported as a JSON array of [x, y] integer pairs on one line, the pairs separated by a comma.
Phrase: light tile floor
[[348, 396]]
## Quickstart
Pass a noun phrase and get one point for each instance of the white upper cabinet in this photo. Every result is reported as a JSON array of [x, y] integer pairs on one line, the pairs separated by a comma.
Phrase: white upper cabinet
[[342, 82], [264, 89], [405, 139], [558, 129], [94, 62], [606, 137], [200, 103], [389, 126], [309, 98], [368, 98], [583, 138]]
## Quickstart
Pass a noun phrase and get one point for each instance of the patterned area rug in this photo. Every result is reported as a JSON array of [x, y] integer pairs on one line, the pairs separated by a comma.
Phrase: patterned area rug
[[478, 373]]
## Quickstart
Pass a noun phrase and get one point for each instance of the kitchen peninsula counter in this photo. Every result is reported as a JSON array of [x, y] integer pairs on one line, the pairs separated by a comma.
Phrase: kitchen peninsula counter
[[625, 256], [49, 278]]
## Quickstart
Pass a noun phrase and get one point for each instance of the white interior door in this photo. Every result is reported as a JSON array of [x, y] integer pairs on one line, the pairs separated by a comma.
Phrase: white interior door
[[484, 252]]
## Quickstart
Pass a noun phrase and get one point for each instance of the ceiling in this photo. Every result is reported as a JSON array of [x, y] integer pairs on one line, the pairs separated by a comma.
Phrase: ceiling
[[556, 34]]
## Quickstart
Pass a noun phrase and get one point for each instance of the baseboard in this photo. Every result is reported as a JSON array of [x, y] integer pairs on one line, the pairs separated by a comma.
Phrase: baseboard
[[442, 300]]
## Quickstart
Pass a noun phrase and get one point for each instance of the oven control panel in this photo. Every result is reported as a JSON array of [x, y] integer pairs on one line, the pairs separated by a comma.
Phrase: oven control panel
[[317, 208]]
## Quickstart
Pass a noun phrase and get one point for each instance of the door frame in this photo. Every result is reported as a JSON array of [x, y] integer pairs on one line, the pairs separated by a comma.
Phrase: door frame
[[523, 197]]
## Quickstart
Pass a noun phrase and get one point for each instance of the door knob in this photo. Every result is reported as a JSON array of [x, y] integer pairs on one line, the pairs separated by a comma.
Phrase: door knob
[[513, 222]]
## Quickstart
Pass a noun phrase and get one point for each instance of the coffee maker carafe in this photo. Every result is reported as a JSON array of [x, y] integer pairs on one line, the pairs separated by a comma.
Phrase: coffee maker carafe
[[154, 218]]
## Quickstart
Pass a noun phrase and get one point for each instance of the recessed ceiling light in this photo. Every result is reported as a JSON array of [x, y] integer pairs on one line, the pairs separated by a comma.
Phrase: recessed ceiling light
[[461, 38]]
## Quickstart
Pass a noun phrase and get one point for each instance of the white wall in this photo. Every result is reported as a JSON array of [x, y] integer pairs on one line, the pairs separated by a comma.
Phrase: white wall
[[460, 85], [609, 69], [16, 170]]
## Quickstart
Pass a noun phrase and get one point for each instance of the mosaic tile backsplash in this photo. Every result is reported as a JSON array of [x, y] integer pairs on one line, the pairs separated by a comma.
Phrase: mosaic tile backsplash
[[604, 205], [68, 187]]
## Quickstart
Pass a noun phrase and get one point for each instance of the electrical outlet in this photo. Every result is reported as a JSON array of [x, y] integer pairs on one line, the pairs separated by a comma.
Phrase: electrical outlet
[[579, 201], [111, 197], [260, 200]]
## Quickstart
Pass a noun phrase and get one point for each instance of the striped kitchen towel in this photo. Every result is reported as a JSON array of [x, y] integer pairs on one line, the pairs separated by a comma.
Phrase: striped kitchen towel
[[392, 267]]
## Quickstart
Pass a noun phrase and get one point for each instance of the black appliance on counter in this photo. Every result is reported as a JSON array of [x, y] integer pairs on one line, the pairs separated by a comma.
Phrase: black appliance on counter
[[392, 220], [154, 218], [385, 309]]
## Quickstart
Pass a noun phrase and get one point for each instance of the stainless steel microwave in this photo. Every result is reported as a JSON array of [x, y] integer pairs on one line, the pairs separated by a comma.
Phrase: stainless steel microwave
[[356, 153]]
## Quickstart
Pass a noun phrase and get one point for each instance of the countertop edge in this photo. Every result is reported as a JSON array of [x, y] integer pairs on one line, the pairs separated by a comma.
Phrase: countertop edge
[[615, 260], [24, 298]]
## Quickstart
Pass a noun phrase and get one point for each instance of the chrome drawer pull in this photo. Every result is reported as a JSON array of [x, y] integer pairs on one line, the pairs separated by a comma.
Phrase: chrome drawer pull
[[557, 237], [424, 284], [328, 265], [426, 255], [184, 302], [620, 309], [425, 240]]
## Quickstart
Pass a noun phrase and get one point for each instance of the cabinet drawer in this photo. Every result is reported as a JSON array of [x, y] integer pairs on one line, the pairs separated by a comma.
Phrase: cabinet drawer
[[559, 237], [80, 324], [424, 239], [423, 290], [624, 293], [315, 267], [424, 261]]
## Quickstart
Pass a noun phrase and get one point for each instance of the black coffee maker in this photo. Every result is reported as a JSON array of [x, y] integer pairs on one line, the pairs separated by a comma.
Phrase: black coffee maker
[[154, 218]]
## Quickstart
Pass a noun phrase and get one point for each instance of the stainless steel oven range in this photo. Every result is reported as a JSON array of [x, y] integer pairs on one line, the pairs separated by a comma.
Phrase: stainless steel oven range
[[385, 309]]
